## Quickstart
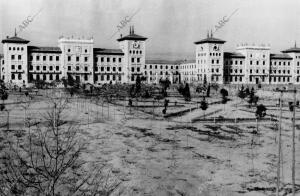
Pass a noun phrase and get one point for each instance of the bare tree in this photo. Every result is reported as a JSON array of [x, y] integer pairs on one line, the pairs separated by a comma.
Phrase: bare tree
[[47, 162]]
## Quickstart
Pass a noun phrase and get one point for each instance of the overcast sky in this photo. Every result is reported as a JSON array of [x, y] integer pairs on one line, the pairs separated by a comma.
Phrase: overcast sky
[[171, 25]]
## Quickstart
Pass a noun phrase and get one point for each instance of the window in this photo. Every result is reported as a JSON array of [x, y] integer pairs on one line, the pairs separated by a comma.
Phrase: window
[[96, 69], [85, 77], [9, 48], [108, 68], [57, 77], [132, 69], [51, 68], [257, 62], [85, 59], [264, 62], [37, 68], [107, 77], [250, 62], [77, 58], [85, 50], [57, 58], [50, 58], [138, 60], [120, 68], [31, 58], [69, 58], [44, 77], [69, 50], [102, 68], [114, 77], [212, 61], [44, 58], [50, 77], [102, 77], [120, 60], [114, 59], [30, 67], [20, 76], [114, 68], [12, 57], [132, 60], [69, 68], [19, 67], [119, 77], [12, 66], [77, 68], [102, 59], [12, 76], [108, 59], [85, 68], [37, 58], [138, 69], [57, 68], [44, 68]]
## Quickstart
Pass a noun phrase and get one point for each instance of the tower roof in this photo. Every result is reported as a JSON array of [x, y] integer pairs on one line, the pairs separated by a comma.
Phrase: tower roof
[[15, 39], [294, 49], [132, 36], [210, 40]]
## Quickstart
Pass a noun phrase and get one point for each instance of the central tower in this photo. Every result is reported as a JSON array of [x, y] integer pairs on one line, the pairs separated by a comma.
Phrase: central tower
[[209, 59], [134, 49]]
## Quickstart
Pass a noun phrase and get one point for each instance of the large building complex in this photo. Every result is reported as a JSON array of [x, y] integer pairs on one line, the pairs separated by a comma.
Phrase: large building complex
[[21, 64]]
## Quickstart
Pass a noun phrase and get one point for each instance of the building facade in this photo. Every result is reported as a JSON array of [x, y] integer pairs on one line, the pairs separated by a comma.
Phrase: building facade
[[22, 64]]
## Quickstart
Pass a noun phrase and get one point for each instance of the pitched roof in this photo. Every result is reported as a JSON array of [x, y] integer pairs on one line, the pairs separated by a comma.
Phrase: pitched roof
[[188, 61], [158, 61], [293, 49], [14, 39], [44, 49], [132, 37], [280, 56], [108, 51], [233, 55], [210, 40]]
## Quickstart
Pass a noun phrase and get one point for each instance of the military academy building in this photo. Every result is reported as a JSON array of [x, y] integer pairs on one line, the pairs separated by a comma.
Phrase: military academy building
[[22, 64]]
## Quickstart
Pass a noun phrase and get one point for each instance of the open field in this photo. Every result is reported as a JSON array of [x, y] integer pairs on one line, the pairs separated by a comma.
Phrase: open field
[[189, 153]]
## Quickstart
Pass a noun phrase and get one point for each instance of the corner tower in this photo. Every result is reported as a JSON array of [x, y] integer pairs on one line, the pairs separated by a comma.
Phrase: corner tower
[[15, 66]]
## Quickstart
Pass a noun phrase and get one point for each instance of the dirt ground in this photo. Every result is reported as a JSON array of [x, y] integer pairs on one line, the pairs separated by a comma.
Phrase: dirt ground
[[182, 155]]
